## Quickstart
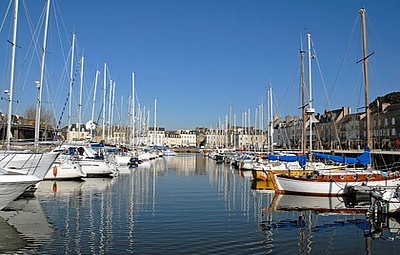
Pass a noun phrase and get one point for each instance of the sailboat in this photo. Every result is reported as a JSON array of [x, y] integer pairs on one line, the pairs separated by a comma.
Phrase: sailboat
[[291, 164], [25, 162], [13, 185], [337, 183]]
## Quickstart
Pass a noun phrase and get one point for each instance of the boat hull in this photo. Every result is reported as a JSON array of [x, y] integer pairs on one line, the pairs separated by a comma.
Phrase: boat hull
[[12, 186], [65, 171], [37, 164], [325, 186]]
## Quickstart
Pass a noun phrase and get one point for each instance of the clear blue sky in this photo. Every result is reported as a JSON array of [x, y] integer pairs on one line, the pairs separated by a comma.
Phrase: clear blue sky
[[201, 57]]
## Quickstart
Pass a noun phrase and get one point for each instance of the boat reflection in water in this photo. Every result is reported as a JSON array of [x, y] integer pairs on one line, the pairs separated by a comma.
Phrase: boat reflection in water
[[10, 240], [188, 204], [320, 205], [25, 221], [318, 217], [61, 188], [262, 186]]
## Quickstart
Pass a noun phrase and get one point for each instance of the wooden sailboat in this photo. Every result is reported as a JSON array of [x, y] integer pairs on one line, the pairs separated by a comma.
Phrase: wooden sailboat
[[337, 183], [294, 165]]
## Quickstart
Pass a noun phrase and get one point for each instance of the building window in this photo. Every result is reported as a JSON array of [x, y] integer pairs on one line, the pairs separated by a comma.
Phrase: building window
[[386, 122], [393, 121], [393, 131]]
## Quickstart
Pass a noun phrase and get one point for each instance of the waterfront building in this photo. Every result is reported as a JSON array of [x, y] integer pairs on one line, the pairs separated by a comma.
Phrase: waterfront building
[[180, 138], [287, 132], [215, 138], [188, 138], [334, 128], [78, 132], [386, 125], [156, 138], [351, 132]]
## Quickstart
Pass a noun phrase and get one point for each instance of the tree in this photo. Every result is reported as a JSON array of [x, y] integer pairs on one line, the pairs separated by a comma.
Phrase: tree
[[46, 117], [391, 98]]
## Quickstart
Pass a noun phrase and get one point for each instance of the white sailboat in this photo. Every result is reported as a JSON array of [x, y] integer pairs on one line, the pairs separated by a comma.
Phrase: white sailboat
[[88, 159], [13, 185], [65, 169], [26, 163]]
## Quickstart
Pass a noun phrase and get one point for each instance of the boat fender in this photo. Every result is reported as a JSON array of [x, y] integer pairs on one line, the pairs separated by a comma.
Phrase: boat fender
[[55, 171]]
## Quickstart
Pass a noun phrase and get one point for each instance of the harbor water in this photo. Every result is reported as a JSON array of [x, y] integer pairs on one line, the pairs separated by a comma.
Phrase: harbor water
[[187, 204]]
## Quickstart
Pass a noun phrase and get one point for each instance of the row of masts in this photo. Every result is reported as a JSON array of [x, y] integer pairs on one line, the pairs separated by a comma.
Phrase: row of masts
[[40, 83], [309, 111]]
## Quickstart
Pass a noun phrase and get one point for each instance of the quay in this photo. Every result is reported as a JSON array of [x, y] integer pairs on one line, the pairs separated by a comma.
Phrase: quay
[[185, 150]]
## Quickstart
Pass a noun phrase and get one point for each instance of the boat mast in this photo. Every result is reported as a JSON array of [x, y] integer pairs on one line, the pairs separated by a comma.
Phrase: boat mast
[[10, 92], [94, 100], [104, 101], [71, 77], [271, 120], [113, 110], [303, 105], [40, 85], [109, 111], [133, 111], [310, 110], [155, 121], [365, 62], [80, 99]]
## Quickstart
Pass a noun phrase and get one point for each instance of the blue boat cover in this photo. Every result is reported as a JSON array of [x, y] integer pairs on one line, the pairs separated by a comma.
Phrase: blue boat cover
[[302, 159], [363, 159]]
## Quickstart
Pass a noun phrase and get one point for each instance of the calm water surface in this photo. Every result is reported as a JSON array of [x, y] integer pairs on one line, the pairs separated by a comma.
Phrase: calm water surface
[[186, 205]]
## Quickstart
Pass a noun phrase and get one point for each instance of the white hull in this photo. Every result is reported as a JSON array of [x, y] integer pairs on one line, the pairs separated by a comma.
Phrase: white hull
[[387, 199], [95, 168], [145, 156], [169, 153], [66, 170], [37, 164], [323, 188], [12, 186], [122, 160]]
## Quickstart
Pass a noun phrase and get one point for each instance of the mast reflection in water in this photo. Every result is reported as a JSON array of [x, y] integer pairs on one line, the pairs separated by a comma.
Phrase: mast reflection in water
[[187, 204]]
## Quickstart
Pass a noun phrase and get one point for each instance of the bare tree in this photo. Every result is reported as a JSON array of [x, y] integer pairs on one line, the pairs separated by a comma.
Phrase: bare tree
[[47, 117]]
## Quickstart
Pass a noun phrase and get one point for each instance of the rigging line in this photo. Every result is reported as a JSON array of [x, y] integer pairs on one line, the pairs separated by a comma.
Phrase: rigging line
[[33, 45], [59, 33], [326, 93], [99, 116], [329, 106], [63, 76], [344, 56], [381, 49], [66, 102], [288, 85], [5, 15]]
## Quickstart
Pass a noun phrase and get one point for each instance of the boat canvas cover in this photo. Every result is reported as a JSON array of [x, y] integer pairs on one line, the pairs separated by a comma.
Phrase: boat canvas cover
[[302, 159], [363, 159]]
